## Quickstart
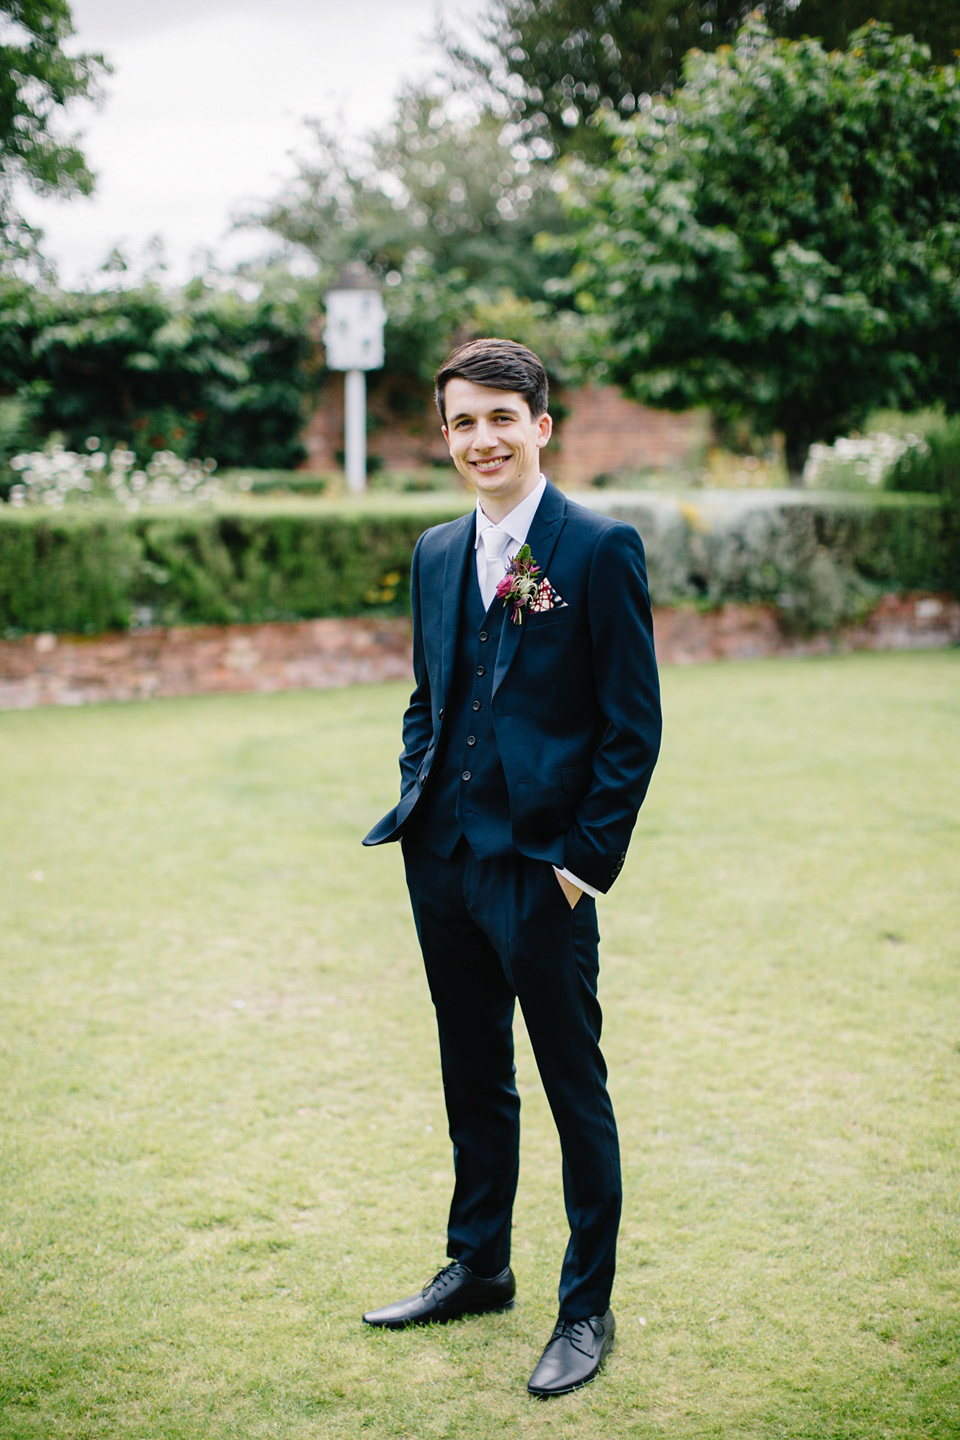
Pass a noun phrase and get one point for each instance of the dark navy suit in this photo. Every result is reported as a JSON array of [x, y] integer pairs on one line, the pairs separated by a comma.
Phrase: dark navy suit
[[525, 747]]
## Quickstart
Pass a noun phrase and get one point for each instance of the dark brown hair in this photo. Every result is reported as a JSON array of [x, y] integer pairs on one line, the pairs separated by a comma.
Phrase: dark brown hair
[[500, 365]]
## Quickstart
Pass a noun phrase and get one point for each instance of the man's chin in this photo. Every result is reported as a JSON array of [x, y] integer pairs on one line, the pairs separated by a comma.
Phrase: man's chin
[[492, 479]]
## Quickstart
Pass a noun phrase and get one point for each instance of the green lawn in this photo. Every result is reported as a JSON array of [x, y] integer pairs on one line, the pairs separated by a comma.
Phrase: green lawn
[[223, 1134]]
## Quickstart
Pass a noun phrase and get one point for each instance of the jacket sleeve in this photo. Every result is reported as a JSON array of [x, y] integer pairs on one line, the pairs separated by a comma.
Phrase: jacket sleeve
[[628, 697]]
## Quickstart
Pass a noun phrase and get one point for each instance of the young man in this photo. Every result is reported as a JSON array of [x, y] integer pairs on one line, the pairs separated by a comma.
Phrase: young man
[[528, 745]]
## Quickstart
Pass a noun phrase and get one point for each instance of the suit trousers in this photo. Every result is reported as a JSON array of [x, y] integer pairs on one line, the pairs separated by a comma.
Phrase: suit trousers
[[494, 932]]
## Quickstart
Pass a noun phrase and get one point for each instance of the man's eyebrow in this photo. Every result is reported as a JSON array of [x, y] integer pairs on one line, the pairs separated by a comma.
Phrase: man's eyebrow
[[498, 410]]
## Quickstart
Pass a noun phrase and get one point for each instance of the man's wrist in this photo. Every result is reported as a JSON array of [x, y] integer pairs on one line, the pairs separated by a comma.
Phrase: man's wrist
[[575, 880]]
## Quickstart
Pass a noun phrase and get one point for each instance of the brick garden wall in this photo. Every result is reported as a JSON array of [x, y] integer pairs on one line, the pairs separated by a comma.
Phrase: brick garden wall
[[318, 654]]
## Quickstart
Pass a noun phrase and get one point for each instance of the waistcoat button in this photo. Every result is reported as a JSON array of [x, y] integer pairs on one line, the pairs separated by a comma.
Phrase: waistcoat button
[[476, 704], [483, 634], [471, 739], [481, 670], [465, 775]]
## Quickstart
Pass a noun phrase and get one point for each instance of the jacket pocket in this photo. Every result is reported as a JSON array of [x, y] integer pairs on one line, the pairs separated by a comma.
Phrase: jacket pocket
[[557, 616], [574, 779]]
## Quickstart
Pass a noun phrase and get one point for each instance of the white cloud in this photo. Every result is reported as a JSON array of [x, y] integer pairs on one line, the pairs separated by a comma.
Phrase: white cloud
[[206, 102]]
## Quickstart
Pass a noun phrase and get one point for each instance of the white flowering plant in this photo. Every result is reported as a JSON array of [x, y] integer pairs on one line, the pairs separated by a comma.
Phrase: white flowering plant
[[857, 461], [56, 477]]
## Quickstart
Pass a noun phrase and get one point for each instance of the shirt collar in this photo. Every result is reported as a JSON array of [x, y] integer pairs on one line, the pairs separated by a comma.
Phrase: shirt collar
[[517, 523]]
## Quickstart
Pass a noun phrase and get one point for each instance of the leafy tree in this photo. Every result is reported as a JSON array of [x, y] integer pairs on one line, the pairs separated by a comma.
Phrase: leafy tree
[[782, 243], [934, 23], [558, 66], [38, 80], [454, 191], [445, 205]]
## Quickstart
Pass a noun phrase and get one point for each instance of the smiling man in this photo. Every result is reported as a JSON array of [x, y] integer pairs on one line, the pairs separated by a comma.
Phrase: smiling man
[[528, 746]]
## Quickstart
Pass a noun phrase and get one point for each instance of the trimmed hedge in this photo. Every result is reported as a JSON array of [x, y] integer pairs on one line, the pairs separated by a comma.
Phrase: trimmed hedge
[[934, 468], [93, 569], [822, 560], [72, 573]]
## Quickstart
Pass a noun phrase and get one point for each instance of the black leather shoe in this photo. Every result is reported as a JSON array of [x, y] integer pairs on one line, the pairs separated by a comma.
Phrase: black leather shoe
[[574, 1354], [453, 1292]]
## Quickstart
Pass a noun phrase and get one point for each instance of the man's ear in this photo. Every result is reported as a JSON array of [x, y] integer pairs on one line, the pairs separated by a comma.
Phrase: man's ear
[[545, 429], [446, 435]]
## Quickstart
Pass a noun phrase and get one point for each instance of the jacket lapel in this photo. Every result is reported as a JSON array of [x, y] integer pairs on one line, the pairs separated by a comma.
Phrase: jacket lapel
[[542, 538], [455, 576]]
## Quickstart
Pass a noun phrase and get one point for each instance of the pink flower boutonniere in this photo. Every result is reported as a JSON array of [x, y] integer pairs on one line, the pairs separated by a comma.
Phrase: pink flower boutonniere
[[521, 588]]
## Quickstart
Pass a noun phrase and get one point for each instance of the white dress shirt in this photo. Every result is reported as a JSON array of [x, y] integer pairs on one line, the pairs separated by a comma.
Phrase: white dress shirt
[[517, 525]]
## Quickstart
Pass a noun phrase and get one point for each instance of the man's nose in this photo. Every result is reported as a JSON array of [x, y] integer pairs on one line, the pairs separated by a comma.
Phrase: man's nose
[[484, 438]]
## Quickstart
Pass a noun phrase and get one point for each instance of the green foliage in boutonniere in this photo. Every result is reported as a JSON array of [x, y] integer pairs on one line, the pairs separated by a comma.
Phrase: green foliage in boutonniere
[[520, 587]]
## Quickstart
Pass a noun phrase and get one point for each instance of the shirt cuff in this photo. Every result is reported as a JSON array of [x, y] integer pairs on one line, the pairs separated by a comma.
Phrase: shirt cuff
[[580, 884]]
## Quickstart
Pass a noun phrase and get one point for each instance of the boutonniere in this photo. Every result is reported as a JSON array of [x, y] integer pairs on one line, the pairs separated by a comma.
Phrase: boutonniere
[[522, 589]]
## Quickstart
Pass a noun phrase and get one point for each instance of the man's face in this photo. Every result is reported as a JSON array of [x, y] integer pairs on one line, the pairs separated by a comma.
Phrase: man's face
[[495, 443]]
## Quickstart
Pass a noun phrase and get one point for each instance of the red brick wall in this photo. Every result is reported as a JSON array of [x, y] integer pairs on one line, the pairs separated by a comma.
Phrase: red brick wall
[[314, 654], [602, 433]]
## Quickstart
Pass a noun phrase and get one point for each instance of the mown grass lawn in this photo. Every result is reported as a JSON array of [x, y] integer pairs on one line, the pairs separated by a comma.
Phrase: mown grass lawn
[[223, 1134]]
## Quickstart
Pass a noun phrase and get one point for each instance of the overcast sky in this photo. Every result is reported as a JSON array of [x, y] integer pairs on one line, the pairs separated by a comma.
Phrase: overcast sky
[[206, 101]]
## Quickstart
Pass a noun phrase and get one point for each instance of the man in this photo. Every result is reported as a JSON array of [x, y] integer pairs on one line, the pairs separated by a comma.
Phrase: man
[[528, 745]]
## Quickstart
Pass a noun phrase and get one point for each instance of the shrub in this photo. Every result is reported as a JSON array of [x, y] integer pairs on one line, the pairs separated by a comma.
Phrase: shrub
[[92, 568], [279, 482], [56, 477], [67, 571], [857, 462], [934, 469], [199, 370], [821, 560]]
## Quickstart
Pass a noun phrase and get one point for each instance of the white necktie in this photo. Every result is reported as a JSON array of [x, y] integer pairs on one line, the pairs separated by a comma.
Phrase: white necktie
[[495, 542], [495, 545]]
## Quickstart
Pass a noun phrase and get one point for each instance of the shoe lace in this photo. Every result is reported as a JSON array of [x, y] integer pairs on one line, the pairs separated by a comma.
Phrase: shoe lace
[[573, 1330], [442, 1277]]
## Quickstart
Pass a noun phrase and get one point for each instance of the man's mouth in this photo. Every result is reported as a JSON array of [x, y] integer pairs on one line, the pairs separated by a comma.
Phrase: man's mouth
[[491, 463]]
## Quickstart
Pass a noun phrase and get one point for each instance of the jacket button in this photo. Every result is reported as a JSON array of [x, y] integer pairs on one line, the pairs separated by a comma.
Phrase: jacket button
[[440, 713], [465, 775], [471, 739], [483, 634]]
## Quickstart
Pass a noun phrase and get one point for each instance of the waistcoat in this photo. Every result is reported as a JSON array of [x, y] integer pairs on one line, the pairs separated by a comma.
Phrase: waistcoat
[[466, 793]]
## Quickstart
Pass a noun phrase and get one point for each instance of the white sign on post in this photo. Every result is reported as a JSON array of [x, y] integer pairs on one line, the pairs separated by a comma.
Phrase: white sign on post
[[354, 342]]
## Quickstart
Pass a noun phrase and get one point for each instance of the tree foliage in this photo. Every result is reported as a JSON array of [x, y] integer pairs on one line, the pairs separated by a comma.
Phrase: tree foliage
[[559, 66], [38, 80], [782, 242], [433, 186], [203, 371], [447, 207]]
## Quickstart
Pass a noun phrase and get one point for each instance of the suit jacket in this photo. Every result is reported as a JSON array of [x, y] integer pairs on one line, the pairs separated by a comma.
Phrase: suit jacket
[[575, 699]]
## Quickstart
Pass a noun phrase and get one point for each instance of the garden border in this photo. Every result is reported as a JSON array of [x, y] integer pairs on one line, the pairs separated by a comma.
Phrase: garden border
[[47, 669]]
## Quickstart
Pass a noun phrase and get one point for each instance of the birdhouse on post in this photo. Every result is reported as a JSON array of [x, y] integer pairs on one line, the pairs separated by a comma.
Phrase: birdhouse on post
[[354, 342]]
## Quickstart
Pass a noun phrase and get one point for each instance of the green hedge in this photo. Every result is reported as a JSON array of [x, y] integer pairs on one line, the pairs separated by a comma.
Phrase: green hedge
[[70, 573], [934, 468], [821, 560], [91, 570]]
